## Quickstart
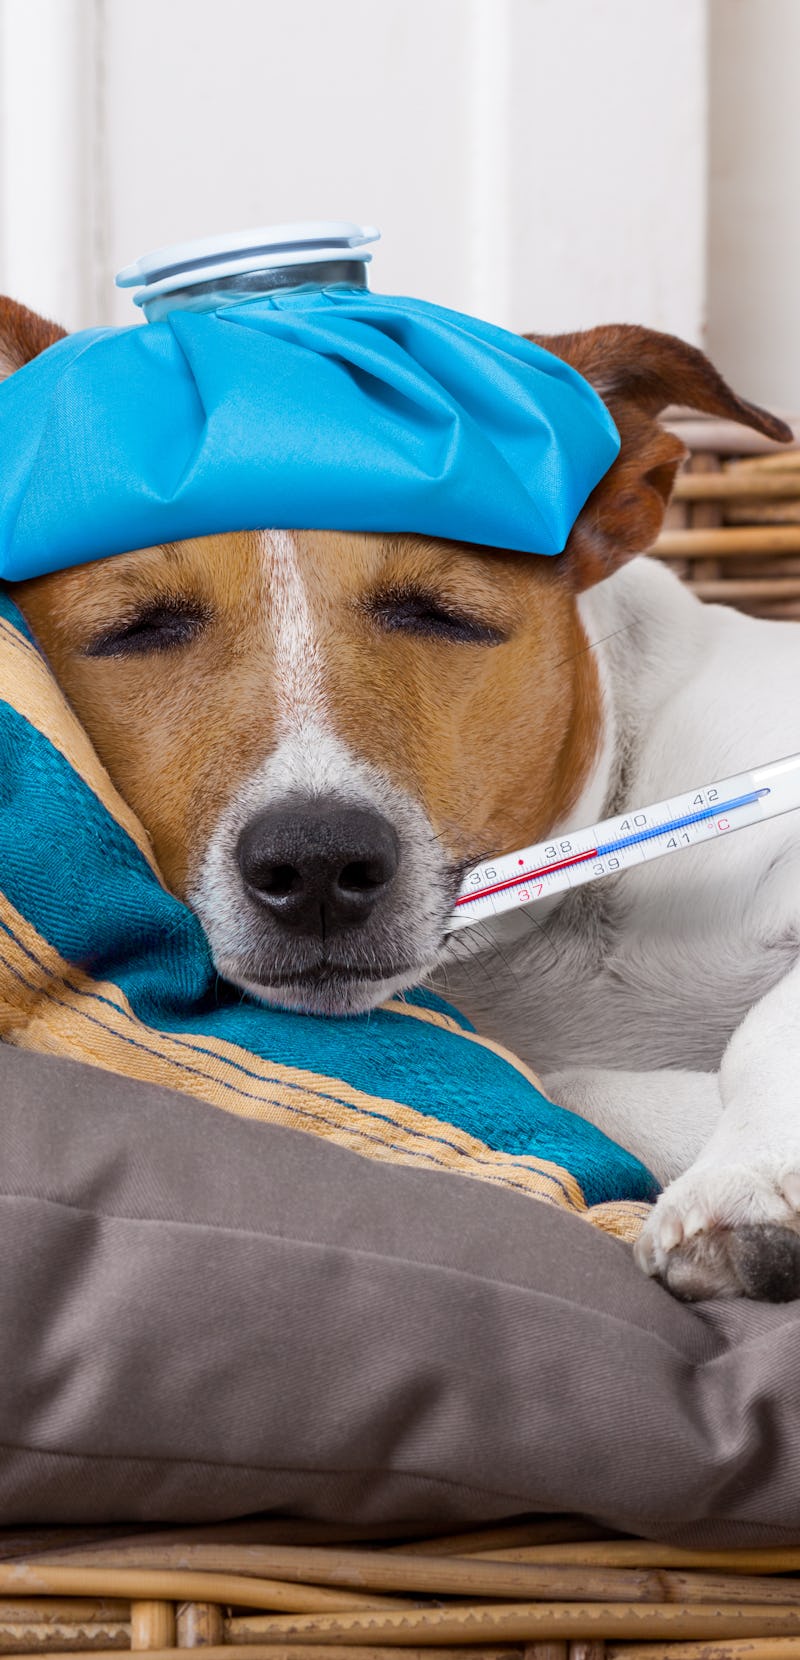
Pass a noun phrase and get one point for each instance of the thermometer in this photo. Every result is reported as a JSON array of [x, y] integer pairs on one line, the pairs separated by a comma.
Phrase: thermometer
[[518, 879]]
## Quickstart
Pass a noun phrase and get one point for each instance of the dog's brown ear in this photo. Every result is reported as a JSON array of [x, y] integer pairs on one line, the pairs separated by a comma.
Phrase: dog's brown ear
[[637, 373], [23, 335]]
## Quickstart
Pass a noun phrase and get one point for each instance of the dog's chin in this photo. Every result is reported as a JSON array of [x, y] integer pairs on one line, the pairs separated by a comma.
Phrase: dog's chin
[[327, 991]]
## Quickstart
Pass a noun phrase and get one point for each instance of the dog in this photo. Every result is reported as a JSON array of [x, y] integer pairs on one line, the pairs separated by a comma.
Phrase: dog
[[322, 731]]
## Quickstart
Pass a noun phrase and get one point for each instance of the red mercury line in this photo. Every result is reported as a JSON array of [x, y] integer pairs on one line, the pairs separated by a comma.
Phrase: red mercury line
[[527, 876]]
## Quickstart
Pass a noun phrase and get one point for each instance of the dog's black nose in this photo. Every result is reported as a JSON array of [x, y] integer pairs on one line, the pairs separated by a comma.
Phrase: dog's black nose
[[318, 865]]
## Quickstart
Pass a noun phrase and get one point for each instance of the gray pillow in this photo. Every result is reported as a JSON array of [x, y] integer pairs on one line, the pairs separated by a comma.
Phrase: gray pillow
[[203, 1317]]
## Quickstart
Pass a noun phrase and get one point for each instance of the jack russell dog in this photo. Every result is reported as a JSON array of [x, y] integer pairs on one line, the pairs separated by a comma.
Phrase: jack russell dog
[[322, 731]]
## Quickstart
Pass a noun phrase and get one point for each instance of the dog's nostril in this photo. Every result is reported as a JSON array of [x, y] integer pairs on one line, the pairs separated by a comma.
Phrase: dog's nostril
[[362, 875], [279, 880]]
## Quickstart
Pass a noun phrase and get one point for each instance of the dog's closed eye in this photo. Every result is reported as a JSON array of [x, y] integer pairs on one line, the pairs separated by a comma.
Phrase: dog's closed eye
[[410, 611], [160, 626]]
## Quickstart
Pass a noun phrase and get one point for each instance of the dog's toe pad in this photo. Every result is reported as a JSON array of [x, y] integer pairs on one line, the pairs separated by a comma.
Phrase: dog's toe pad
[[766, 1260]]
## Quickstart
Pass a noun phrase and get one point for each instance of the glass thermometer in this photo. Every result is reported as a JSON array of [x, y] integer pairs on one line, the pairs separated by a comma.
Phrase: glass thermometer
[[517, 879]]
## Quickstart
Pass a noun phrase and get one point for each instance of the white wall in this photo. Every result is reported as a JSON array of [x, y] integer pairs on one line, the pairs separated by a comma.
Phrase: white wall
[[754, 221], [544, 163], [51, 166], [540, 162], [607, 159]]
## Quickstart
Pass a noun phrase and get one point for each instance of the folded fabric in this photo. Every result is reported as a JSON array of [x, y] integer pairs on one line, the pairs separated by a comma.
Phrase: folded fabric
[[100, 963], [309, 408], [202, 1317]]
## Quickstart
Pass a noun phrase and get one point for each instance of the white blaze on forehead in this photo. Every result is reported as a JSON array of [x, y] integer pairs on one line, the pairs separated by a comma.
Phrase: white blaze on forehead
[[299, 681], [308, 758]]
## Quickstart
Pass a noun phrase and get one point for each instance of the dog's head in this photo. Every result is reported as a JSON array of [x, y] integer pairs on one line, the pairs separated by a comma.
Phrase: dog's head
[[321, 730]]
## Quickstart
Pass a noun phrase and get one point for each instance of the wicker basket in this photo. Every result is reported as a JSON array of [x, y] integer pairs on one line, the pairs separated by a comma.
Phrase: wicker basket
[[557, 1589], [733, 527]]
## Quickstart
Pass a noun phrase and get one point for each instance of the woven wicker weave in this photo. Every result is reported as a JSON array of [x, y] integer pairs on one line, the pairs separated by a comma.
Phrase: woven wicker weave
[[557, 1589], [733, 527]]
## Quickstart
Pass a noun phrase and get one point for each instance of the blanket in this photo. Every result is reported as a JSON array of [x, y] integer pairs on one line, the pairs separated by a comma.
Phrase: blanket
[[100, 962]]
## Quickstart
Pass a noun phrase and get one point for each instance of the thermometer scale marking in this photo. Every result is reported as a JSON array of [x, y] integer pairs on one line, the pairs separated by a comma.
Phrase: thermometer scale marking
[[617, 846], [662, 828]]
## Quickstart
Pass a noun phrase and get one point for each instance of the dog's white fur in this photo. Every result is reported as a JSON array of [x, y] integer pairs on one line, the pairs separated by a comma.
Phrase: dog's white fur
[[664, 1005]]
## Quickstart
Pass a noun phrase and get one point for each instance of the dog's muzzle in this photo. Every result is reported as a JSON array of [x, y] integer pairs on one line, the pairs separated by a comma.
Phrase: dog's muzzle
[[327, 900], [319, 869]]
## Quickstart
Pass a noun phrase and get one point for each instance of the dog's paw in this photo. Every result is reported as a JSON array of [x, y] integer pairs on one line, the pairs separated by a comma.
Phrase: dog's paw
[[730, 1231]]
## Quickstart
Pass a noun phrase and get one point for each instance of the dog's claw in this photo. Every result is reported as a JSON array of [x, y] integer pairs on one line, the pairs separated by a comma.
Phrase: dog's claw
[[671, 1233], [790, 1186], [695, 1221]]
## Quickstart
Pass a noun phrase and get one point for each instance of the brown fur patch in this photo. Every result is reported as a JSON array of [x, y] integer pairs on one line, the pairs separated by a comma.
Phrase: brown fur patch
[[23, 335]]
